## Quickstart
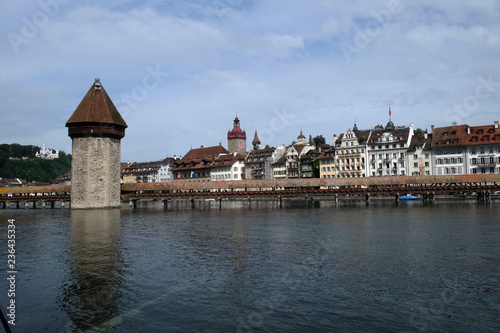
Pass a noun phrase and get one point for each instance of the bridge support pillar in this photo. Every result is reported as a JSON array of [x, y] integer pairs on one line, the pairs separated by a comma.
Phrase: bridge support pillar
[[27, 205], [63, 204], [34, 204], [280, 201], [220, 202], [44, 204], [396, 197], [165, 203], [336, 198], [368, 198], [192, 202], [52, 204], [3, 205], [17, 204]]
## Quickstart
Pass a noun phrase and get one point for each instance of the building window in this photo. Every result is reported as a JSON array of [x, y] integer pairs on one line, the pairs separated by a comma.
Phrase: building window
[[415, 165], [427, 173], [415, 156], [426, 164]]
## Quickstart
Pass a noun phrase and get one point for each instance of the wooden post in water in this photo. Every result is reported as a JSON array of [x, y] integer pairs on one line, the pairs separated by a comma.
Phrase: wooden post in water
[[396, 197]]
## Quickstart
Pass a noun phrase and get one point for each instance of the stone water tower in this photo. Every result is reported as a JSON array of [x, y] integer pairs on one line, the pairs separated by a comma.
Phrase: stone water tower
[[96, 128]]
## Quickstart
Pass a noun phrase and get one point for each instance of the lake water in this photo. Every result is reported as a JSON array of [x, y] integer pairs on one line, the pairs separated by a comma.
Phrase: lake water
[[334, 268]]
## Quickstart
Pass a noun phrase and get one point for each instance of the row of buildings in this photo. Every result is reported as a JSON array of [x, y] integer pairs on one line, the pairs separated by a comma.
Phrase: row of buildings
[[381, 151]]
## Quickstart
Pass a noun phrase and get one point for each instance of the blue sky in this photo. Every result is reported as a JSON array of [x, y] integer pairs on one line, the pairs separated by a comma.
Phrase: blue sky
[[178, 71]]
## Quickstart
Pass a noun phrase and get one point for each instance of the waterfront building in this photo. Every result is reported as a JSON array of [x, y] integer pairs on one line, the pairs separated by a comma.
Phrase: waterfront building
[[47, 154], [351, 153], [64, 179], [294, 154], [96, 128], [16, 182], [165, 170], [309, 164], [142, 172], [419, 156], [228, 167], [278, 166], [387, 149], [196, 164], [327, 166], [237, 139], [448, 149], [483, 149], [258, 163]]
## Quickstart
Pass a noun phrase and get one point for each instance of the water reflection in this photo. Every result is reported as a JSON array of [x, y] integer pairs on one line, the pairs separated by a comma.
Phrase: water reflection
[[92, 292]]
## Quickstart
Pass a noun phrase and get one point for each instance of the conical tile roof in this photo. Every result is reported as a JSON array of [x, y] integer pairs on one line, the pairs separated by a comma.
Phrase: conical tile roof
[[96, 107]]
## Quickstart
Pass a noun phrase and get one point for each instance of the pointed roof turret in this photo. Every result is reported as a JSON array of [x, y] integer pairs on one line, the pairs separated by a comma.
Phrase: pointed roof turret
[[96, 115], [256, 141]]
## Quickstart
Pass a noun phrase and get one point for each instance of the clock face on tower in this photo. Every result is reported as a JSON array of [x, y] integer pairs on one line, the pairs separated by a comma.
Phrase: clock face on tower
[[242, 143]]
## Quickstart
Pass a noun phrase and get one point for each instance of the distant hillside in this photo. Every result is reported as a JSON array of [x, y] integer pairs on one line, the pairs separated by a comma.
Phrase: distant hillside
[[31, 168]]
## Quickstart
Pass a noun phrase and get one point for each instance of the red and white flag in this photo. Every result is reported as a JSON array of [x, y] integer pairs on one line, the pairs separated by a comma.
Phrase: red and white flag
[[179, 176], [389, 110]]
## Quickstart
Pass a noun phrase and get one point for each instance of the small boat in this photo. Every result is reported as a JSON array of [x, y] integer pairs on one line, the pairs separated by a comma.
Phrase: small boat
[[408, 197]]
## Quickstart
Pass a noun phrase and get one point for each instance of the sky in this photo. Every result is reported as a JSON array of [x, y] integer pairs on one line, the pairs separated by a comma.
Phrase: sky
[[180, 71]]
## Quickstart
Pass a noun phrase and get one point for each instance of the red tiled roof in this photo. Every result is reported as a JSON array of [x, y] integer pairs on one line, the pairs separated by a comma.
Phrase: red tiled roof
[[480, 135], [199, 158], [449, 136]]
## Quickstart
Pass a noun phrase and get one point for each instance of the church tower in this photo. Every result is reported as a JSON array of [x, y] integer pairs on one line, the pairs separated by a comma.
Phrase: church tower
[[96, 128], [237, 139]]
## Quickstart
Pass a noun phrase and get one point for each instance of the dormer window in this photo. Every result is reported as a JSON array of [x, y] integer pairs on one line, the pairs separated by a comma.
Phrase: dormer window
[[480, 131]]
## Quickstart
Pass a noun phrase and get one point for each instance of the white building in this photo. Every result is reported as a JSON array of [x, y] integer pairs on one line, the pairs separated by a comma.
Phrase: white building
[[228, 167], [387, 150], [419, 156], [165, 173], [351, 153], [47, 154]]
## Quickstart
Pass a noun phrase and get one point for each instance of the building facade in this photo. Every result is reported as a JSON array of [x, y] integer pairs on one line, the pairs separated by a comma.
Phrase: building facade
[[483, 149], [419, 156], [351, 153], [387, 149], [228, 167], [448, 149], [196, 164]]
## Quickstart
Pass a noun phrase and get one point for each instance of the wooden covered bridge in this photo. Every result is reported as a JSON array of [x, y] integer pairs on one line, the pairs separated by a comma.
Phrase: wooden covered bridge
[[482, 186]]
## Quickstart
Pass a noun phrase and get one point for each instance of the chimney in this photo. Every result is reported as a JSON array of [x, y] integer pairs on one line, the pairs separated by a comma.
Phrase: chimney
[[468, 130], [425, 135], [496, 124], [334, 139], [432, 129]]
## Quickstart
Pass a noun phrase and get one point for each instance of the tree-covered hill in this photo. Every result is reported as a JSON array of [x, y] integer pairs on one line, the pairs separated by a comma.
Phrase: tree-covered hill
[[31, 168]]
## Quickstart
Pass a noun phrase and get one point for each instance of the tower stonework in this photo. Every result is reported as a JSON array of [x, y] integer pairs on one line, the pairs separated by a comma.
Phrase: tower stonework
[[96, 128]]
